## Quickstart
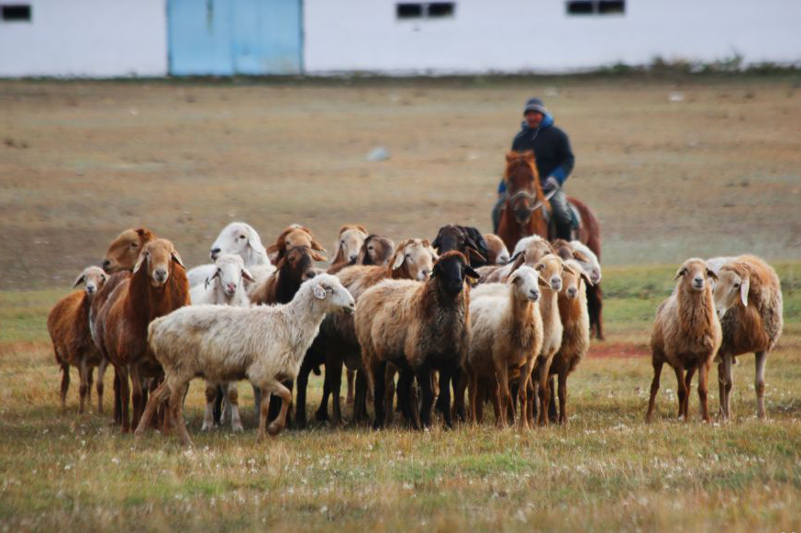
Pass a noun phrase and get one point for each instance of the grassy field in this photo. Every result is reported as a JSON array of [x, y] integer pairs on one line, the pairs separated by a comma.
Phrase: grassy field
[[674, 168], [606, 471]]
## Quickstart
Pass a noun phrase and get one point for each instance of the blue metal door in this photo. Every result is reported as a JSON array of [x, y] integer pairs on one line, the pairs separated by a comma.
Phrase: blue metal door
[[225, 37]]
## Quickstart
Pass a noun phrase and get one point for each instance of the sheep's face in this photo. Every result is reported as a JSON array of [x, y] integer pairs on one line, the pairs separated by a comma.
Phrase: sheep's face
[[229, 274], [731, 287], [450, 272], [535, 251], [294, 237], [93, 279], [124, 251], [527, 283], [376, 250], [329, 289], [298, 263], [462, 239], [550, 268], [233, 239], [694, 275], [158, 257], [572, 276], [417, 257], [498, 254], [350, 242]]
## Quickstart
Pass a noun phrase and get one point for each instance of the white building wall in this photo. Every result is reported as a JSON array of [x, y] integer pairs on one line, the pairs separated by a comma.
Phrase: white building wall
[[539, 36], [97, 38]]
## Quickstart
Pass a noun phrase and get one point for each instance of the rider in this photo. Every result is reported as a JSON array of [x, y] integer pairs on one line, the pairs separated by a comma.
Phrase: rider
[[554, 160]]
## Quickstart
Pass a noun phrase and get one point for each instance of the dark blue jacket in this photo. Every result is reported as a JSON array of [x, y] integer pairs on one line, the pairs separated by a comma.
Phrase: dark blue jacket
[[551, 148]]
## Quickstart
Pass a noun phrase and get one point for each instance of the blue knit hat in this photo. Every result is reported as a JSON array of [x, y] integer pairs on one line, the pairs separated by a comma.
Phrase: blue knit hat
[[535, 104]]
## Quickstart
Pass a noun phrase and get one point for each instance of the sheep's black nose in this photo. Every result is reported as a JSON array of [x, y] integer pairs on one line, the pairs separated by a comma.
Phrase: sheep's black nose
[[214, 253], [160, 275], [106, 264]]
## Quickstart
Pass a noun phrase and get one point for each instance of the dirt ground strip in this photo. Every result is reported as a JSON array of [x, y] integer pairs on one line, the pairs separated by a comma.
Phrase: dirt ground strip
[[673, 169]]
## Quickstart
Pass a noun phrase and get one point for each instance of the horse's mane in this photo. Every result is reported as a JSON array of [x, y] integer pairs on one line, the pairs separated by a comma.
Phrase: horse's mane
[[517, 160]]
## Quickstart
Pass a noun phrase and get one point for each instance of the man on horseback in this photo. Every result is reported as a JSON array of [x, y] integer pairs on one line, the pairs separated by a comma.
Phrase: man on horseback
[[554, 160]]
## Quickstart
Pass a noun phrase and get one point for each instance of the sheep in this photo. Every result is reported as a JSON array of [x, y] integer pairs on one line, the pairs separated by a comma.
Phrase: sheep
[[418, 326], [528, 251], [157, 286], [68, 325], [592, 266], [118, 262], [498, 254], [575, 319], [264, 344], [463, 239], [550, 268], [376, 250], [224, 287], [337, 343], [748, 301], [237, 238], [507, 334], [686, 335], [293, 236], [348, 245]]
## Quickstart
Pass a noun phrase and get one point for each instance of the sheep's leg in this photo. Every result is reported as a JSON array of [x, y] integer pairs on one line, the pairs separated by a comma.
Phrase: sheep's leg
[[759, 383], [682, 390], [389, 393], [423, 374], [458, 400], [264, 413], [65, 384], [125, 399], [502, 375], [542, 392], [351, 375], [405, 380], [217, 413], [302, 384], [532, 398], [552, 414], [322, 410], [654, 389], [233, 400], [688, 384], [335, 387], [137, 396], [101, 376], [482, 392], [211, 398], [156, 399], [703, 373], [117, 396], [176, 406], [360, 399], [446, 375], [83, 389], [256, 399], [522, 394], [563, 397], [276, 387], [379, 370]]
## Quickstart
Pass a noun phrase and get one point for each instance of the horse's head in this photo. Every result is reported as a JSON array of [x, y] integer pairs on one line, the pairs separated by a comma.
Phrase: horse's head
[[522, 185]]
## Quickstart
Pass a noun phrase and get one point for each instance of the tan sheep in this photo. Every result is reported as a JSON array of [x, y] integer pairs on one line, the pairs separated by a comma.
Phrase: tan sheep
[[686, 335], [748, 300]]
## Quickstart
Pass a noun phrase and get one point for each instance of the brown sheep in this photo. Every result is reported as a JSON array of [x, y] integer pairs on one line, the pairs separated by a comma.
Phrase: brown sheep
[[419, 326], [498, 254], [686, 335], [157, 286], [348, 245], [293, 236], [68, 325], [575, 329], [527, 252], [748, 300]]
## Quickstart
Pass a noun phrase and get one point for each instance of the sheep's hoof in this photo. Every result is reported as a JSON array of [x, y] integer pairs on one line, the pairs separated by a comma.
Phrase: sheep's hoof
[[237, 428], [321, 416], [274, 429], [207, 427]]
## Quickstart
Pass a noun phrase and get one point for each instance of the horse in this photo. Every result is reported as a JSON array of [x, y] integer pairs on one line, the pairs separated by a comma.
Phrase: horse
[[524, 214]]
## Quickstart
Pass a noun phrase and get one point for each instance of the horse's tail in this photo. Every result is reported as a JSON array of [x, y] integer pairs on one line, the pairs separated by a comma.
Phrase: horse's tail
[[590, 233]]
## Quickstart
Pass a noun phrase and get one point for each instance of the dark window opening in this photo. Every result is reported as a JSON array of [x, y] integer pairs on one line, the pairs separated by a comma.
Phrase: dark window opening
[[611, 7], [596, 7], [17, 13], [441, 9], [409, 11], [580, 8]]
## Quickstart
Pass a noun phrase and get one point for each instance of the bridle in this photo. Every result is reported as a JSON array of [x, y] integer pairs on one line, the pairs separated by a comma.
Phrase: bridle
[[531, 198]]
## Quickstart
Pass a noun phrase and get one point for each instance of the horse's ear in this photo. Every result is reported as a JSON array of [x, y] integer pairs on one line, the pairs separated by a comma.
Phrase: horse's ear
[[511, 156], [528, 156]]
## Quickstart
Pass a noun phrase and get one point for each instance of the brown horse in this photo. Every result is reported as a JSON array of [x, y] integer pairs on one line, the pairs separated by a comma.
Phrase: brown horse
[[521, 215]]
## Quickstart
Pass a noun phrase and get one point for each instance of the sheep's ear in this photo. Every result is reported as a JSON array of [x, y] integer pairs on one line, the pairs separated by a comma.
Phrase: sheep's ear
[[319, 247], [437, 243], [319, 292], [711, 274], [680, 273], [361, 228], [543, 283], [177, 258], [139, 260], [254, 241], [400, 255], [210, 278], [569, 270], [744, 288], [317, 256], [586, 279], [470, 250], [470, 273], [79, 280], [247, 275], [273, 249]]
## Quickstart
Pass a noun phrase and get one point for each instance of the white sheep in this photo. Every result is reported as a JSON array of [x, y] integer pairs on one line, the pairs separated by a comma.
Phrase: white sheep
[[506, 330], [224, 287], [237, 238], [264, 344]]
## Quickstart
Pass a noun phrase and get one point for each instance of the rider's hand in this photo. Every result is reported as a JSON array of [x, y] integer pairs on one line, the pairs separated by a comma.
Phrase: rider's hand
[[550, 184]]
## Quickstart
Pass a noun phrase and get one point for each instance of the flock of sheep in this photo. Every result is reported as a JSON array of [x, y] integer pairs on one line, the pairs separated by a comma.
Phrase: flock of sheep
[[426, 313]]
